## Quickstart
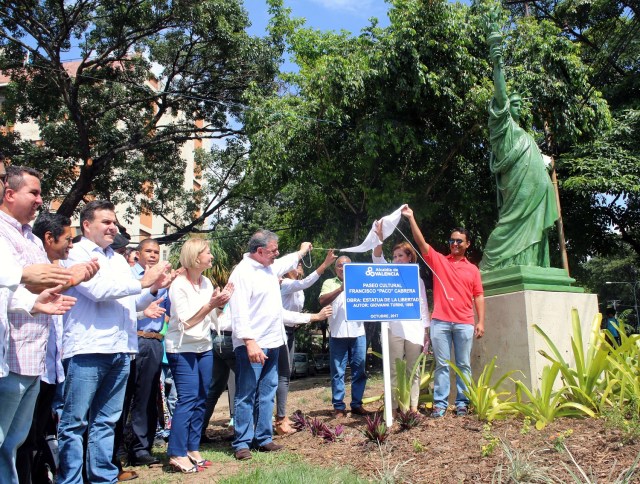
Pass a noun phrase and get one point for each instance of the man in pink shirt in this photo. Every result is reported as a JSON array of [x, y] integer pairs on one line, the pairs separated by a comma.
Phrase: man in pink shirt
[[457, 289]]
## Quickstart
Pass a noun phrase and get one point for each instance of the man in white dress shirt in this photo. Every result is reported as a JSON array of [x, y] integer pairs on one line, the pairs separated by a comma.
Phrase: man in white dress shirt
[[98, 340], [54, 230], [36, 276], [257, 319]]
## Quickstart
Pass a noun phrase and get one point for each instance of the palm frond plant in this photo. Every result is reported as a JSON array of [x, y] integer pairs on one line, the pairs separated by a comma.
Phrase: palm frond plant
[[545, 404], [404, 380], [624, 374], [487, 399], [585, 382]]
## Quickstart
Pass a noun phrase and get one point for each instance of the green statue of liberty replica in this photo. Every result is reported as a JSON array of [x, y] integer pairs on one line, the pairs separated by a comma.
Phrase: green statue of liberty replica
[[526, 198]]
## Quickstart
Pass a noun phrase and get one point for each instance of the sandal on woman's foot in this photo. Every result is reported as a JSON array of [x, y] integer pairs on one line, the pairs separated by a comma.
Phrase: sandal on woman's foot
[[177, 467], [204, 463]]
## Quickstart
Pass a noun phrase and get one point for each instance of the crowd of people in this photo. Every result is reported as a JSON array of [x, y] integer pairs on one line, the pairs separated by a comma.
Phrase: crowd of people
[[90, 339]]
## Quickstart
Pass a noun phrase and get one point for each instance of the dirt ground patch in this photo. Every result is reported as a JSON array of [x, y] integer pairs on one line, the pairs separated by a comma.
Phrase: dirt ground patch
[[447, 450]]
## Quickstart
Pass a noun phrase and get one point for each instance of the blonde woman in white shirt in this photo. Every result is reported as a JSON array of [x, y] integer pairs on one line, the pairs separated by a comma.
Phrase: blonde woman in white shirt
[[406, 338], [188, 343]]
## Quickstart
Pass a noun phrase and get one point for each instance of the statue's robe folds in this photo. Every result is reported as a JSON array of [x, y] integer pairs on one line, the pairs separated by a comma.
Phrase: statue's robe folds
[[526, 199]]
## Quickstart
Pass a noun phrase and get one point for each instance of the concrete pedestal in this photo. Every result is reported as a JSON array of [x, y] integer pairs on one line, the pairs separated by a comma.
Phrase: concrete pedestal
[[509, 332]]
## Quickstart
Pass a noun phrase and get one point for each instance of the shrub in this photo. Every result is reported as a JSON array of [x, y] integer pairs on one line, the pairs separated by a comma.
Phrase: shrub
[[332, 435], [299, 421], [317, 427]]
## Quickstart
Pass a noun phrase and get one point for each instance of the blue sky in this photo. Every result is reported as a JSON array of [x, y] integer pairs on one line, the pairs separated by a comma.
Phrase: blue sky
[[351, 15]]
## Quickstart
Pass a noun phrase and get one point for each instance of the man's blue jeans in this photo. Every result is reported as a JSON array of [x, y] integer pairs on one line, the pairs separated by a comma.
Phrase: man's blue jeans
[[18, 394], [444, 333], [93, 396], [353, 350], [192, 378], [255, 393]]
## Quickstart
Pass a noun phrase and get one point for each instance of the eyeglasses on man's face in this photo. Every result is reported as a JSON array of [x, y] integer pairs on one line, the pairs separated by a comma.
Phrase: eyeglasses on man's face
[[270, 251], [456, 241]]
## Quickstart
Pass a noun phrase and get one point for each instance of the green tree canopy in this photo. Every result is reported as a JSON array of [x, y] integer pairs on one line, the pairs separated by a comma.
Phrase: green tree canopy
[[398, 114], [151, 74]]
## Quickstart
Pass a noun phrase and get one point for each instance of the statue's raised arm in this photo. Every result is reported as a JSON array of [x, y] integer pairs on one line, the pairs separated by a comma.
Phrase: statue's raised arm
[[526, 200], [494, 39]]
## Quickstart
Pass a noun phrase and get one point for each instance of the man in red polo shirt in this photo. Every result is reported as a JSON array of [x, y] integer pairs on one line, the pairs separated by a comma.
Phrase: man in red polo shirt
[[457, 288]]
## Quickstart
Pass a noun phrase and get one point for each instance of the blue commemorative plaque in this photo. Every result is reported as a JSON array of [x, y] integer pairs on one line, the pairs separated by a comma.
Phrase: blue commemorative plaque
[[382, 292]]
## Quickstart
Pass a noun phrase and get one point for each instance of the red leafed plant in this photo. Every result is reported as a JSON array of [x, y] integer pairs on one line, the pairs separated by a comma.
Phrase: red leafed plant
[[300, 421], [409, 419], [376, 429], [317, 427]]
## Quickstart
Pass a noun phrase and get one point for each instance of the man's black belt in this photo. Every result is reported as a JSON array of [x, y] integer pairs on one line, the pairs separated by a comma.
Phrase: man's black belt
[[226, 333]]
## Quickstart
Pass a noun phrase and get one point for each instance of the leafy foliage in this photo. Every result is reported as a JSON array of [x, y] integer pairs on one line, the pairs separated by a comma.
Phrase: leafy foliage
[[609, 166], [522, 467], [299, 420], [398, 115], [606, 34], [426, 366], [545, 404], [491, 441], [317, 427], [623, 375], [626, 420], [404, 381]]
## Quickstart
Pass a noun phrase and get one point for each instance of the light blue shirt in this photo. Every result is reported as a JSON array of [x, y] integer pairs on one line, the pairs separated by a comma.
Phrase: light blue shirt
[[149, 324], [104, 318], [53, 370]]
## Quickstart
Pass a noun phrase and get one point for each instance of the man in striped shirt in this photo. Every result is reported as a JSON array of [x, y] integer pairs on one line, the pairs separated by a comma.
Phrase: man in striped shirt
[[28, 332]]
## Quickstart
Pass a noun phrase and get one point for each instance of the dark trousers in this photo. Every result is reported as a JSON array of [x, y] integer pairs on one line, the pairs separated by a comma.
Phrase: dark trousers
[[285, 367], [140, 401], [224, 361], [144, 408], [30, 455], [118, 434]]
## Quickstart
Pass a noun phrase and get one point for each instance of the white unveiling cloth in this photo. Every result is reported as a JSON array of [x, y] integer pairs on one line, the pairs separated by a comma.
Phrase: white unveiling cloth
[[389, 224]]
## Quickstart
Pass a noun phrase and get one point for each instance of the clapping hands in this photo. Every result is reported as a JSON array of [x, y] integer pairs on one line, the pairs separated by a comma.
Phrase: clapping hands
[[221, 297]]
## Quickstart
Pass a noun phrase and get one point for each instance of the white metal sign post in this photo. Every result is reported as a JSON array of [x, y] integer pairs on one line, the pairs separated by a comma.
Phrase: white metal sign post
[[386, 373], [385, 293]]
